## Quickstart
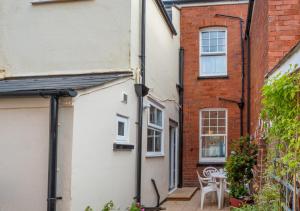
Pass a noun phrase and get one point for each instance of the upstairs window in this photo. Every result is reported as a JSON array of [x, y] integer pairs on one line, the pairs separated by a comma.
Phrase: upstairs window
[[213, 52]]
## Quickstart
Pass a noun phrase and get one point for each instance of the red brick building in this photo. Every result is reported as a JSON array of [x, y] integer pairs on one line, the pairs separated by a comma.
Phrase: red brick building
[[212, 82], [213, 72], [273, 29]]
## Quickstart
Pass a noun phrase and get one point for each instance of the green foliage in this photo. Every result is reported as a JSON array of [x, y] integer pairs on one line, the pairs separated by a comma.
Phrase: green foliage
[[282, 124], [239, 166], [108, 206], [135, 207], [266, 200], [88, 209]]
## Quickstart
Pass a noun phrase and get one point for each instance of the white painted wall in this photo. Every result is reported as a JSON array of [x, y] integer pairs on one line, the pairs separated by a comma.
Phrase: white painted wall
[[162, 70], [79, 36], [24, 145], [100, 174]]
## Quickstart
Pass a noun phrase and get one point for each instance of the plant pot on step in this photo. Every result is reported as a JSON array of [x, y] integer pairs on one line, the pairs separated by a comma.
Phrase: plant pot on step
[[234, 202]]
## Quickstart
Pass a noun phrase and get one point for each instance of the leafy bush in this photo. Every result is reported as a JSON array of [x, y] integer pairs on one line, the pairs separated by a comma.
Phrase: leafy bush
[[266, 200], [239, 166]]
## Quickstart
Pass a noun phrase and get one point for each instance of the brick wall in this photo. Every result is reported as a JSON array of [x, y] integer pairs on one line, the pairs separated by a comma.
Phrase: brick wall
[[284, 28], [259, 57], [275, 29], [199, 94]]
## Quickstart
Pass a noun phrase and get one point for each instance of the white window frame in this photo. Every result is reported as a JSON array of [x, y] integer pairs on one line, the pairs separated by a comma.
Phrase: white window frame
[[123, 139], [202, 54], [213, 160], [157, 128]]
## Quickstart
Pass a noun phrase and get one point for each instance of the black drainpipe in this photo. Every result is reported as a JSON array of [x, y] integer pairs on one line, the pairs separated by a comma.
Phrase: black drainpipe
[[52, 177], [248, 84], [53, 125], [180, 90], [53, 132], [141, 91], [240, 104]]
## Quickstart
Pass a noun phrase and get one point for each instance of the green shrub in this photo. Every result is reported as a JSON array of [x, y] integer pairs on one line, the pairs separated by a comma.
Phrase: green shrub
[[239, 166]]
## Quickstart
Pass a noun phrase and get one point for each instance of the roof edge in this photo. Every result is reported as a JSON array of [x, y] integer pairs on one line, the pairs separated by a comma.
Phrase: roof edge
[[61, 93], [167, 19], [294, 49], [249, 17], [129, 73]]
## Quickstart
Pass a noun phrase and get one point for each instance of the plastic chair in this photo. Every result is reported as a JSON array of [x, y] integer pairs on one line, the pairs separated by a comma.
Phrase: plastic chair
[[207, 186], [208, 171]]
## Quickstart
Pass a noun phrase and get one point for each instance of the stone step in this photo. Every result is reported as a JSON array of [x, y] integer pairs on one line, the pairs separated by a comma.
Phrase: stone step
[[182, 194]]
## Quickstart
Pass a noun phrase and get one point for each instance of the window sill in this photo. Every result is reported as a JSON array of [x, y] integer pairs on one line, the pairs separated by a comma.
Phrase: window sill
[[123, 147], [213, 77], [154, 155]]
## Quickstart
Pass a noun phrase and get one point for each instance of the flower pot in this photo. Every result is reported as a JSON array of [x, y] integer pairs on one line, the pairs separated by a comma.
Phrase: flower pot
[[234, 202]]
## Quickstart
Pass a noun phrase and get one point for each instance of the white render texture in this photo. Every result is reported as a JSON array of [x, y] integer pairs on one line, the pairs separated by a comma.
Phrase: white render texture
[[24, 146], [79, 36], [100, 174], [162, 70]]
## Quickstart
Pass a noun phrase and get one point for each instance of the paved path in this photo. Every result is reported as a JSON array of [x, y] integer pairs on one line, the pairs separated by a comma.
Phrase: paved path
[[193, 205]]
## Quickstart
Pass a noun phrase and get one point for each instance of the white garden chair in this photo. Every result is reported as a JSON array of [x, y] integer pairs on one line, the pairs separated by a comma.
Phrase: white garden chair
[[206, 186], [208, 171]]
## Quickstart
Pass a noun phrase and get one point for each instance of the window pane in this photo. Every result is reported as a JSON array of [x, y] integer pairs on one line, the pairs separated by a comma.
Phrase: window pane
[[205, 35], [205, 49], [205, 42], [150, 141], [213, 65], [213, 48], [213, 146], [221, 34], [205, 130], [222, 130], [213, 130], [221, 122], [213, 114], [207, 65], [205, 122], [221, 114], [158, 117], [213, 34], [221, 48], [220, 65], [221, 41], [158, 141], [121, 129], [214, 42], [213, 122], [152, 115], [205, 114]]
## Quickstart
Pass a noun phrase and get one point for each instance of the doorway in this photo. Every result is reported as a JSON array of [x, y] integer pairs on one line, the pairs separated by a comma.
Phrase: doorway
[[173, 157]]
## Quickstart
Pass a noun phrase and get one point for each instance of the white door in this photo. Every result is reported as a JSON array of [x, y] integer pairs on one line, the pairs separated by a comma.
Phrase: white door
[[173, 161]]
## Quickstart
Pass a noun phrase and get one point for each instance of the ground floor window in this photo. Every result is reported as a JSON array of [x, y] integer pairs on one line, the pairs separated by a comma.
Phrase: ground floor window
[[213, 135], [122, 129], [155, 131]]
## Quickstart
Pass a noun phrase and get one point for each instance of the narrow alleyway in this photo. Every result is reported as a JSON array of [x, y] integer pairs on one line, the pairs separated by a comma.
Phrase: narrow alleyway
[[193, 205]]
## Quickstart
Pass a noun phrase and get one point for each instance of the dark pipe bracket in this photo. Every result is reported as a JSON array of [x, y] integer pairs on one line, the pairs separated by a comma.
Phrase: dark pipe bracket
[[141, 90]]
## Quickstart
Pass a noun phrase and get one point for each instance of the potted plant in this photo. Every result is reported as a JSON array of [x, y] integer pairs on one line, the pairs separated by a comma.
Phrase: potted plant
[[239, 170]]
